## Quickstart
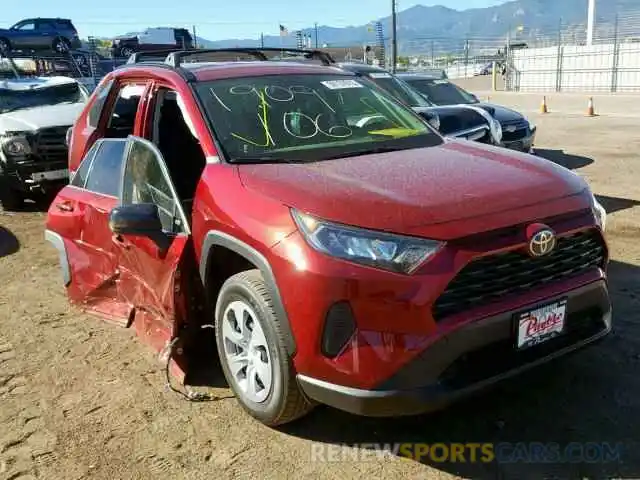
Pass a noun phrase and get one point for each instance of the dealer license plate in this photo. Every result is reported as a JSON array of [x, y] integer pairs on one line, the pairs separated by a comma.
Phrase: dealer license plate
[[52, 175], [540, 325]]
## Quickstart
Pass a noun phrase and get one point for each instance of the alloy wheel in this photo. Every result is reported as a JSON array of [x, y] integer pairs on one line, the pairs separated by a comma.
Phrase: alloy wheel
[[246, 351]]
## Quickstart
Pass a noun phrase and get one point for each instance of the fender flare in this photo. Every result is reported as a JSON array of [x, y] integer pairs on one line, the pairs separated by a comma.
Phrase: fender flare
[[58, 243], [215, 238]]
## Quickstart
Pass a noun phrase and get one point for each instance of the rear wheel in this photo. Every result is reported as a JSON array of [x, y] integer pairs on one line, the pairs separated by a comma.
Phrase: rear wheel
[[252, 352], [61, 45], [126, 52]]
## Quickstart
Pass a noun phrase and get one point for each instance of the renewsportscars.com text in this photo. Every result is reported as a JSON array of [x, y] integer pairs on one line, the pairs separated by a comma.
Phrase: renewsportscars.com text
[[503, 452]]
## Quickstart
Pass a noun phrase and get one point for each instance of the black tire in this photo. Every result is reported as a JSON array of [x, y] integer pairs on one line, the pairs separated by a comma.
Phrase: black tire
[[126, 52], [11, 200], [5, 45], [285, 402], [61, 45]]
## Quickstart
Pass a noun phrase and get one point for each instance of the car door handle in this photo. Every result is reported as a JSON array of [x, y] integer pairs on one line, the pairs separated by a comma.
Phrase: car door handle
[[64, 206]]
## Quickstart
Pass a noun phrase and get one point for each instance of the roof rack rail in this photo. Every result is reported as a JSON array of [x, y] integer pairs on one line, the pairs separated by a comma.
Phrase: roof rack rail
[[175, 59], [157, 55]]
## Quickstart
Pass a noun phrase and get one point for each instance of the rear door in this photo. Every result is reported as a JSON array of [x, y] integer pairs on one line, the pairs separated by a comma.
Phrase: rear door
[[111, 114], [46, 32], [79, 216]]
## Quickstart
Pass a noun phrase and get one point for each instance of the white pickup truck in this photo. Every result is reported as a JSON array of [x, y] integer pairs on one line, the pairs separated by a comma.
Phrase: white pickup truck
[[35, 114]]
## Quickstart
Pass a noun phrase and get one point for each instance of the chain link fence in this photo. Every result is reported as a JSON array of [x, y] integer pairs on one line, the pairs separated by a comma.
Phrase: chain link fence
[[560, 60]]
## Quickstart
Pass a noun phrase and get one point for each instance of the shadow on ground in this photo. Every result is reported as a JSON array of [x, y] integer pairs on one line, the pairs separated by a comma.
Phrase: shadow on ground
[[591, 396], [615, 204], [9, 244], [572, 162]]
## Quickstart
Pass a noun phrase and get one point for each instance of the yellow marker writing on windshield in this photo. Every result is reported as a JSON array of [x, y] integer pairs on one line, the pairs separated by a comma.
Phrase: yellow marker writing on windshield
[[264, 120]]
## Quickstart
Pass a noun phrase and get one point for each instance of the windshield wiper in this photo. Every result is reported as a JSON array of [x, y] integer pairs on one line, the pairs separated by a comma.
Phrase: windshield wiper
[[369, 151], [265, 159]]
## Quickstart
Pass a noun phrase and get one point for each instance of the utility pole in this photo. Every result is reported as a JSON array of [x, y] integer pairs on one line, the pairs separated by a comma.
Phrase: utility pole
[[316, 27], [394, 37], [591, 17], [262, 40]]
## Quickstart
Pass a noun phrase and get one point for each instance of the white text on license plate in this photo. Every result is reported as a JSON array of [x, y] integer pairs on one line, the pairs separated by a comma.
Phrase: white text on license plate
[[539, 325], [52, 175]]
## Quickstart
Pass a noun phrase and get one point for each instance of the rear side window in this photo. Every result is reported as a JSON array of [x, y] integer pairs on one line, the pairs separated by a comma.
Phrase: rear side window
[[106, 168], [66, 24], [80, 177], [101, 94]]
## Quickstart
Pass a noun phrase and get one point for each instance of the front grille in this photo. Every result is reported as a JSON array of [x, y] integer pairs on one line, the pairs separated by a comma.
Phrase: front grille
[[49, 144], [495, 277], [521, 130]]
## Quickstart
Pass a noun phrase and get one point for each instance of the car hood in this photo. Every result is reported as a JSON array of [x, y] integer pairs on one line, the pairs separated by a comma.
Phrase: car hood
[[398, 191], [500, 113], [40, 117]]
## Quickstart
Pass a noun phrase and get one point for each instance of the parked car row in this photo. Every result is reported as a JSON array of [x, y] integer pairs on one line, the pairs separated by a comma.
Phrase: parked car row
[[343, 251]]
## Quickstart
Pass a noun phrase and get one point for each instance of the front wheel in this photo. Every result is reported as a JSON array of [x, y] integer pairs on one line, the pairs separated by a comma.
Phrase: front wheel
[[252, 352]]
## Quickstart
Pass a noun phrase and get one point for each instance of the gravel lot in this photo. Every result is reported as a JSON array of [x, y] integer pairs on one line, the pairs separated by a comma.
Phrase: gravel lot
[[83, 399]]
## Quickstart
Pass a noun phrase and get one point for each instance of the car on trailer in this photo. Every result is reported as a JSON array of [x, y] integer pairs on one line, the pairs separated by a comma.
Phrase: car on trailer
[[339, 248], [50, 34]]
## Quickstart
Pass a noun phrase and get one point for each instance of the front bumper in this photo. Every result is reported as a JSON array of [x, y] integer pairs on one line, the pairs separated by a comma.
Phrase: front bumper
[[30, 178], [469, 359]]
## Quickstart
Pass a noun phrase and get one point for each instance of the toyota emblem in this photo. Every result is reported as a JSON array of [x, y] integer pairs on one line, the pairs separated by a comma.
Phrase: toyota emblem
[[542, 242]]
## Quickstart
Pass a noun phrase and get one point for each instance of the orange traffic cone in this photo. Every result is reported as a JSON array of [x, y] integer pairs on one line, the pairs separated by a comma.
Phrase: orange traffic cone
[[590, 110], [543, 106]]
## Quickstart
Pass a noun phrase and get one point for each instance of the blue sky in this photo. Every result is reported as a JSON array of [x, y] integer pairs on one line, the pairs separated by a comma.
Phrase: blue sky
[[215, 19]]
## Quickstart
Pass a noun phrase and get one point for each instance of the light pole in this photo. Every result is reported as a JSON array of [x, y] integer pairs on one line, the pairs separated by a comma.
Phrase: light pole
[[394, 39], [591, 16]]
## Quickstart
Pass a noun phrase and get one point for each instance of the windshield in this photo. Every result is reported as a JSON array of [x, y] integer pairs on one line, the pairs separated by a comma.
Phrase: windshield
[[399, 89], [442, 92], [308, 118], [11, 100]]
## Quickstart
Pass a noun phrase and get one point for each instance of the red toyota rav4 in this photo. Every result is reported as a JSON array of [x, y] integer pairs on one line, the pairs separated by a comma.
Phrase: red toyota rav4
[[345, 252]]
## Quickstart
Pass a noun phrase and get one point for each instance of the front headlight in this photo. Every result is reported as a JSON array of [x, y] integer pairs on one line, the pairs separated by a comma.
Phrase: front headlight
[[599, 212], [532, 125], [434, 121], [497, 130], [15, 145], [387, 251]]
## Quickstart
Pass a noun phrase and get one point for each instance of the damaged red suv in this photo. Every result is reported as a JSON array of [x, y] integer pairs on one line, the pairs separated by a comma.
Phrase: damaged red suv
[[344, 252]]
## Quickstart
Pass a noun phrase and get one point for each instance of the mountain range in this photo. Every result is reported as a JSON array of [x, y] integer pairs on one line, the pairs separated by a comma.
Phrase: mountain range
[[419, 27]]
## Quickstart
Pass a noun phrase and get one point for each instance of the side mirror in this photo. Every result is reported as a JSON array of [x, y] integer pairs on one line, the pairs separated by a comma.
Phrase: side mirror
[[432, 119], [139, 220]]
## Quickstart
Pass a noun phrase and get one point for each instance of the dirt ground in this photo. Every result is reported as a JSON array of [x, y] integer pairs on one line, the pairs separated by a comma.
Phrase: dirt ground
[[84, 399]]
